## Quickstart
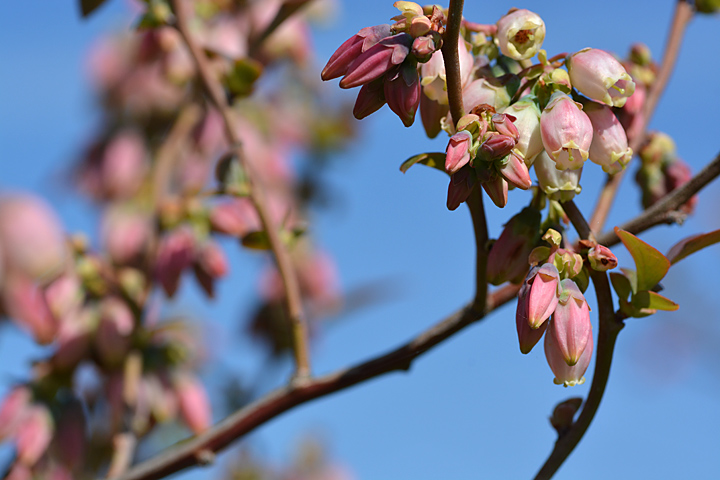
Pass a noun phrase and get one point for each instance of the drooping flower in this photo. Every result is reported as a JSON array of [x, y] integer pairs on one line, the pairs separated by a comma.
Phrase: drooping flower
[[566, 132], [520, 34], [598, 75], [609, 147]]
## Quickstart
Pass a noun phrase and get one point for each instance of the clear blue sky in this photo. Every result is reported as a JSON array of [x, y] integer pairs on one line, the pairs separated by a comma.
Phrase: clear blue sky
[[474, 407]]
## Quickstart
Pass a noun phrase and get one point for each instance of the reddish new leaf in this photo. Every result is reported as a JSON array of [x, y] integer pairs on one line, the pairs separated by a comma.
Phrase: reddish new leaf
[[692, 244]]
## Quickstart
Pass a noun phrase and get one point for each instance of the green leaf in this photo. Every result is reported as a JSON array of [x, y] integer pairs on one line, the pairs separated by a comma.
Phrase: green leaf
[[651, 265], [256, 240], [241, 79], [653, 301], [631, 275], [621, 284], [432, 159], [89, 6], [692, 244]]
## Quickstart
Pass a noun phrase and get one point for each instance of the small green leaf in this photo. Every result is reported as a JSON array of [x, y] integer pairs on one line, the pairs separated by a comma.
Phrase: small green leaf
[[651, 265], [692, 244], [621, 284], [256, 240], [631, 275], [653, 301], [432, 159], [89, 6], [241, 78]]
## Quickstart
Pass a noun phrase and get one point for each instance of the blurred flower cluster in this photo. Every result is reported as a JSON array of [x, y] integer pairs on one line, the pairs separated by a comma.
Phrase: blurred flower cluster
[[170, 197]]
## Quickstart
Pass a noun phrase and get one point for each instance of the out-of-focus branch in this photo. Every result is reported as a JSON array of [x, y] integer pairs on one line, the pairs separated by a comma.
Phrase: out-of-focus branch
[[681, 19], [452, 59], [124, 449], [286, 10], [257, 195], [609, 328], [665, 210], [186, 453]]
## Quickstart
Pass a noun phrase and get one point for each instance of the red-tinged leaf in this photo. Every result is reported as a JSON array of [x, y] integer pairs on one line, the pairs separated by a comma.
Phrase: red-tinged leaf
[[89, 6], [692, 244], [432, 159], [651, 265], [653, 301]]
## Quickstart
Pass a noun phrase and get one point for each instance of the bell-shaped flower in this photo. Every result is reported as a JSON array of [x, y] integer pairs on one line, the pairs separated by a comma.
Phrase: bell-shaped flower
[[565, 374], [515, 171], [560, 185], [571, 322], [481, 91], [344, 56], [527, 337], [527, 123], [377, 60], [434, 81], [599, 76], [609, 147], [508, 257], [520, 34], [194, 404], [457, 153], [431, 114], [402, 93], [461, 185], [543, 296], [566, 132]]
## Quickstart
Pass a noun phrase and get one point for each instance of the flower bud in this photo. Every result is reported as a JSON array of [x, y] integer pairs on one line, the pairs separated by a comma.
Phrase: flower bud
[[236, 217], [457, 153], [609, 147], [344, 56], [126, 234], [542, 298], [175, 253], [496, 146], [33, 434], [504, 124], [370, 99], [564, 374], [560, 185], [520, 34], [566, 132], [377, 60], [32, 239], [497, 190], [527, 122], [194, 403], [564, 413], [211, 264], [677, 174], [516, 172], [26, 305], [12, 409], [528, 337], [423, 47], [113, 333], [598, 75], [461, 185], [402, 93], [601, 258], [508, 257], [571, 322]]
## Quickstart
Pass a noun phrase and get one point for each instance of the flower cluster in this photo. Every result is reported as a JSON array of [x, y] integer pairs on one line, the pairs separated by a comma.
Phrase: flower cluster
[[521, 114], [551, 302]]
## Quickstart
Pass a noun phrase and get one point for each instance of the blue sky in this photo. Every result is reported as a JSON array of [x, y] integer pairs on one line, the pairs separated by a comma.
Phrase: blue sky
[[474, 407]]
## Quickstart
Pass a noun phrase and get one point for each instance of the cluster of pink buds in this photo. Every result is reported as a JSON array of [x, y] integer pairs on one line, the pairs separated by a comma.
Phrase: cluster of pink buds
[[551, 302], [662, 171], [483, 150], [383, 60]]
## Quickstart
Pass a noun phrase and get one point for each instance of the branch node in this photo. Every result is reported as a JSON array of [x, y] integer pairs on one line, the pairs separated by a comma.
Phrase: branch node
[[205, 457]]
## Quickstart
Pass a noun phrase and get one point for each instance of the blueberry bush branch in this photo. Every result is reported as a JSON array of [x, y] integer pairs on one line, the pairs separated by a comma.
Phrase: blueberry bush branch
[[257, 197]]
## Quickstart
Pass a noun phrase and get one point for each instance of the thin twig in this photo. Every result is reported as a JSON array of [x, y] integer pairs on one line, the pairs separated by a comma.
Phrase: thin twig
[[665, 210], [257, 195], [183, 454], [681, 19], [286, 10], [123, 451], [608, 330], [477, 211], [452, 59]]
